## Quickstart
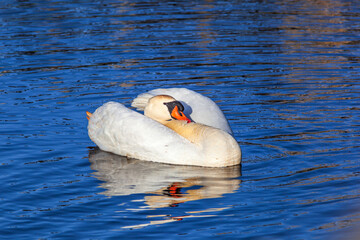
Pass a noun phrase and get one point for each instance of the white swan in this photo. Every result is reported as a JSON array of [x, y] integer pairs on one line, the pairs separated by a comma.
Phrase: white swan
[[165, 134]]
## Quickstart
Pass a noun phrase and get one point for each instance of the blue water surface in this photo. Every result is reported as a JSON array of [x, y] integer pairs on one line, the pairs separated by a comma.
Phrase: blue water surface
[[285, 73]]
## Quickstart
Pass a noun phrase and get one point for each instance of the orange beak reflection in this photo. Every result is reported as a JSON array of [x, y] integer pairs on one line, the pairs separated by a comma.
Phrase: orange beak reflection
[[179, 115]]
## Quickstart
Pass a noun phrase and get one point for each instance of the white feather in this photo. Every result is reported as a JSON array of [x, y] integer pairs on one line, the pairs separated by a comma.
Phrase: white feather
[[200, 108], [117, 129]]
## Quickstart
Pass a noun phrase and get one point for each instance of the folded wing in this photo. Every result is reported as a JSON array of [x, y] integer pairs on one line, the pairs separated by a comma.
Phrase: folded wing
[[115, 128]]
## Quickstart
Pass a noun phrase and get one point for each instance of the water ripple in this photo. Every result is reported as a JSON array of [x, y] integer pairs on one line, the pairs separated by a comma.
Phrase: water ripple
[[285, 73]]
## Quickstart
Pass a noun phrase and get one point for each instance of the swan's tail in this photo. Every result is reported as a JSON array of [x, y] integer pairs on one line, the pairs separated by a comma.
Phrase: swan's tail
[[88, 115]]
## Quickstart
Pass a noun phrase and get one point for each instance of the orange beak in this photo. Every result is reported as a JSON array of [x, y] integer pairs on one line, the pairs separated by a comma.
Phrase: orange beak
[[179, 115], [88, 115]]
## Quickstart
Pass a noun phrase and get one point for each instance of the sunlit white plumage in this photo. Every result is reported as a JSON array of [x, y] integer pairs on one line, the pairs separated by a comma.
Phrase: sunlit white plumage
[[201, 109], [160, 138]]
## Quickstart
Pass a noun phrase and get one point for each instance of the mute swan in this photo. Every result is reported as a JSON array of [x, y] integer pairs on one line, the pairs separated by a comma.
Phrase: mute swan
[[179, 126]]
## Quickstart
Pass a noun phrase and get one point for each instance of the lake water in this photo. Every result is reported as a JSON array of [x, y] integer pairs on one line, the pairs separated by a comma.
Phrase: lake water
[[285, 73]]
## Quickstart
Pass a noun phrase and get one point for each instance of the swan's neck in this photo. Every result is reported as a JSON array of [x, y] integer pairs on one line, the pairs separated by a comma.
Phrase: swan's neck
[[191, 131]]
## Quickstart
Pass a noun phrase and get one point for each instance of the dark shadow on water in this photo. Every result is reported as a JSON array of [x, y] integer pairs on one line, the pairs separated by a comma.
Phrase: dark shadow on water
[[165, 184]]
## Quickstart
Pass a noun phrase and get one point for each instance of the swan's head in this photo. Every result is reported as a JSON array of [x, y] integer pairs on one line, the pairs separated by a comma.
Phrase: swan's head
[[163, 108]]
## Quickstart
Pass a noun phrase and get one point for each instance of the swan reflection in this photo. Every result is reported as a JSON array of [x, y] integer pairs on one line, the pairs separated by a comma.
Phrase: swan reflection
[[165, 185]]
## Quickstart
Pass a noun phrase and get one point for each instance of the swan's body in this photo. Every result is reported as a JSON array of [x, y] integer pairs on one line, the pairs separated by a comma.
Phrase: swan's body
[[159, 137]]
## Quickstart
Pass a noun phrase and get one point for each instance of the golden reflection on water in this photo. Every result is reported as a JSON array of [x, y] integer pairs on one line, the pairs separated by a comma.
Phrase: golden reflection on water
[[309, 28]]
